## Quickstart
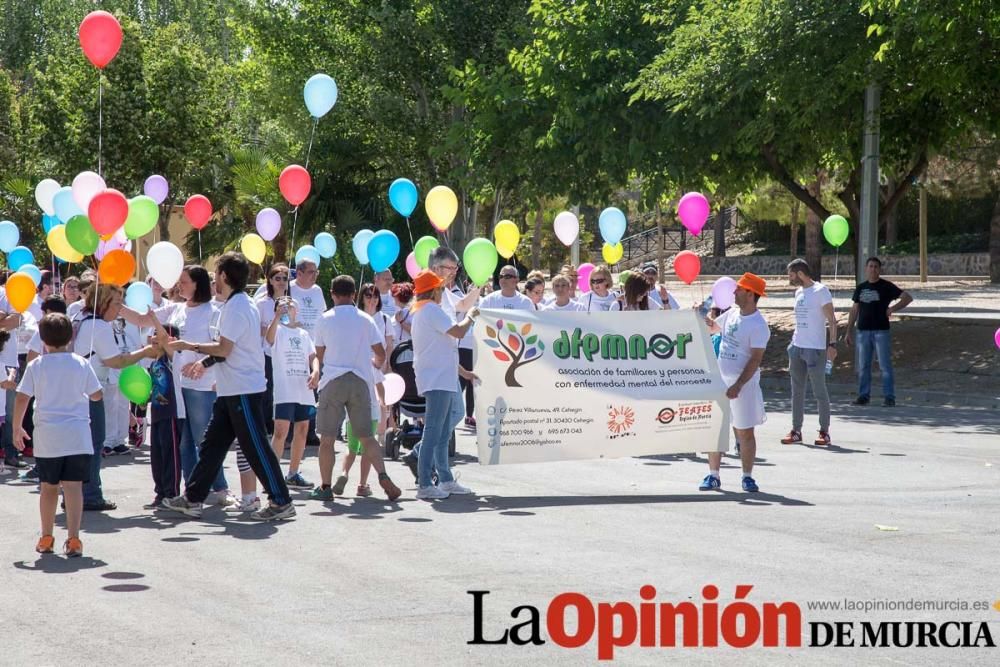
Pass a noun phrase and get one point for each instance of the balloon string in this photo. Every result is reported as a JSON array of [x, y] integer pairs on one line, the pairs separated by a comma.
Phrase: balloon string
[[100, 120], [361, 284], [295, 223], [409, 231], [199, 247], [93, 323], [311, 136]]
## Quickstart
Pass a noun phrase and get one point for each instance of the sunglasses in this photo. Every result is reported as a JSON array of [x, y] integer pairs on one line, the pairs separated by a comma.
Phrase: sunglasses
[[281, 278], [507, 276], [597, 281], [371, 295]]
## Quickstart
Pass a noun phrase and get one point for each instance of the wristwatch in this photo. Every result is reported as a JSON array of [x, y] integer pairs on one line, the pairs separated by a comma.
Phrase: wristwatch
[[197, 348], [831, 344]]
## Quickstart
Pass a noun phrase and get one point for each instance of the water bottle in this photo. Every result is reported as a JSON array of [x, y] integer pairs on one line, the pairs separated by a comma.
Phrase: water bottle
[[829, 367], [286, 321]]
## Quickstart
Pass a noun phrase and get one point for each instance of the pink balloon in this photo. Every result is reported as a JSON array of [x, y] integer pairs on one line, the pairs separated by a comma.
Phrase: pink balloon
[[394, 387], [996, 338], [724, 292], [583, 277], [268, 223], [693, 210], [156, 188], [411, 265]]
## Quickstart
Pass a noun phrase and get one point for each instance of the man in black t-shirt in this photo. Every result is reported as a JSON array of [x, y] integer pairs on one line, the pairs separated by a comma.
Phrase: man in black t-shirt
[[873, 305]]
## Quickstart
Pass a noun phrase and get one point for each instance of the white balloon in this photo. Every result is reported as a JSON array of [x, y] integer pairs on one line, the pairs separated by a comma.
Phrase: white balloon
[[165, 261], [394, 387], [567, 228], [44, 193], [86, 185]]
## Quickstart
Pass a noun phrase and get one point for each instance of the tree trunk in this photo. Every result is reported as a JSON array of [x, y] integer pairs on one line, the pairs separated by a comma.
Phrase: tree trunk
[[995, 241], [814, 234], [280, 246], [891, 226], [794, 245], [660, 242], [536, 237]]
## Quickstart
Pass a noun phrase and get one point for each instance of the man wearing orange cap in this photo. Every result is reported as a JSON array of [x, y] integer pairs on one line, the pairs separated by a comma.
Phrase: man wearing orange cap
[[744, 338]]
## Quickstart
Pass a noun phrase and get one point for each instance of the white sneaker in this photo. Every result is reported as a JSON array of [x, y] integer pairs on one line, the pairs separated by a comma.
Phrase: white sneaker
[[244, 506], [453, 488], [431, 493], [221, 498]]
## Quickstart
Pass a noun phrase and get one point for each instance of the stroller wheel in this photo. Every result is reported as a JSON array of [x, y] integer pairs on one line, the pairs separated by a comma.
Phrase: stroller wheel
[[392, 444]]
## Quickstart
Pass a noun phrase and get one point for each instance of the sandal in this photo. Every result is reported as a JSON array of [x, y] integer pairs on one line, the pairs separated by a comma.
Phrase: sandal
[[46, 544], [73, 547], [364, 490]]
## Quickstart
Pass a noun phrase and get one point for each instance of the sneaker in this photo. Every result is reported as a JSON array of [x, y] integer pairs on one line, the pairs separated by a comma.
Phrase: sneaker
[[120, 450], [793, 438], [431, 493], [274, 512], [319, 493], [340, 485], [470, 422], [31, 475], [749, 485], [453, 488], [391, 490], [183, 505], [297, 481], [710, 483], [823, 440], [860, 400], [106, 451], [364, 490], [135, 438], [242, 505], [17, 464], [99, 506], [73, 548], [46, 544], [887, 403], [157, 502], [221, 498]]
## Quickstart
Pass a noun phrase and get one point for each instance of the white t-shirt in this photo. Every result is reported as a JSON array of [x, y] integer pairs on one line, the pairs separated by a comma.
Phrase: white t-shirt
[[196, 324], [265, 306], [61, 384], [25, 331], [261, 291], [73, 310], [35, 309], [435, 353], [243, 370], [407, 317], [347, 335], [311, 305], [102, 335], [35, 344], [652, 305], [498, 301], [740, 335], [654, 295], [385, 331], [571, 306], [290, 355], [388, 303], [593, 303], [810, 322]]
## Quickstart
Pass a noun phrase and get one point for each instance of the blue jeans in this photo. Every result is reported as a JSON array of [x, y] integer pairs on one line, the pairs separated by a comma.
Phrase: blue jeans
[[93, 494], [198, 406], [445, 410], [878, 341]]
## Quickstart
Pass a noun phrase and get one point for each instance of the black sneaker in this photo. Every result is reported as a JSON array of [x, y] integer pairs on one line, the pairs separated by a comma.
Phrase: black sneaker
[[17, 464], [31, 475], [889, 403], [860, 400], [120, 450]]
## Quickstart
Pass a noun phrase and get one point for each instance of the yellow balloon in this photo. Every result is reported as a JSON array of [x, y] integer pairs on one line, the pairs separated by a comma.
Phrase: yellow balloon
[[504, 251], [506, 235], [60, 247], [441, 205], [106, 237], [20, 291], [253, 248], [612, 253]]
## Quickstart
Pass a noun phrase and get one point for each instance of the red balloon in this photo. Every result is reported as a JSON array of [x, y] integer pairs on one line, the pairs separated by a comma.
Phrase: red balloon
[[295, 184], [198, 211], [687, 266], [100, 37], [107, 211]]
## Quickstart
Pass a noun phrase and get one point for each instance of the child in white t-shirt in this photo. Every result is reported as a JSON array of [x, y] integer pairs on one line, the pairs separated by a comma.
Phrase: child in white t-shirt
[[296, 376], [62, 384]]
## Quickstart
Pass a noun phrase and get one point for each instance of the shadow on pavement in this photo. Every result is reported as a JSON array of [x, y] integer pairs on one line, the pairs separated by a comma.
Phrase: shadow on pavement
[[976, 420], [360, 508], [53, 564], [505, 505]]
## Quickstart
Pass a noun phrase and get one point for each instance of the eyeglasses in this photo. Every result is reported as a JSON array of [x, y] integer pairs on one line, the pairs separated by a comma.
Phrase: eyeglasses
[[371, 295], [597, 281], [281, 278], [507, 275], [448, 267]]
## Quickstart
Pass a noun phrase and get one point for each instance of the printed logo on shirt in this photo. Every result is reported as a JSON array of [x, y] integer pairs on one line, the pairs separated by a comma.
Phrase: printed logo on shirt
[[869, 296]]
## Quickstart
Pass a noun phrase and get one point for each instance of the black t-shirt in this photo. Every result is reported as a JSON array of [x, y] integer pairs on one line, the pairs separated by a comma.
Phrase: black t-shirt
[[873, 300]]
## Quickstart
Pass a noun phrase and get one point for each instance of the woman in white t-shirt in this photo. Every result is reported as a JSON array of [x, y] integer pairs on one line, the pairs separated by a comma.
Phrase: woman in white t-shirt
[[636, 296], [562, 289], [402, 293], [275, 288], [600, 298], [534, 289]]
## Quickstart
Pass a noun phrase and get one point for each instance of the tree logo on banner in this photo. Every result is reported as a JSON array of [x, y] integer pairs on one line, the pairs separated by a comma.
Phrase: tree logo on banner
[[510, 346], [621, 418]]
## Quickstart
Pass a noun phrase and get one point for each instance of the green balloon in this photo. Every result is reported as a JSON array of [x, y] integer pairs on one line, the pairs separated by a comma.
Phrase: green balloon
[[422, 250], [480, 260], [623, 277], [81, 235], [135, 384], [143, 213], [836, 229]]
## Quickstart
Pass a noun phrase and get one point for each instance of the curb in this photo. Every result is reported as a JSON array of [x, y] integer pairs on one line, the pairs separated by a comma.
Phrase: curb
[[903, 396]]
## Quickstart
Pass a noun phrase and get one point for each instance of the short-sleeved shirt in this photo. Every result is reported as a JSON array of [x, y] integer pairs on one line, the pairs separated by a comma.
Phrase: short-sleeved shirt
[[95, 340], [593, 303], [243, 370], [810, 322], [166, 400], [741, 334], [290, 355], [654, 295], [571, 306], [311, 305], [873, 300], [61, 383], [435, 352], [498, 301], [347, 335], [196, 324]]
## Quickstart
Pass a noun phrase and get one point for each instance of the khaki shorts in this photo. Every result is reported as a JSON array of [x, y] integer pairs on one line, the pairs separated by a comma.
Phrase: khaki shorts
[[347, 393]]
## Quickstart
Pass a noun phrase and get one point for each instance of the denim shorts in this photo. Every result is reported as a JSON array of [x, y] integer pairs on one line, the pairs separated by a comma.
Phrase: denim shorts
[[294, 412]]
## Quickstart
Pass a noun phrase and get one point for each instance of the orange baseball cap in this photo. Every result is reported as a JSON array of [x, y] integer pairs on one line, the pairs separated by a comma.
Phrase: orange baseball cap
[[426, 281], [752, 283]]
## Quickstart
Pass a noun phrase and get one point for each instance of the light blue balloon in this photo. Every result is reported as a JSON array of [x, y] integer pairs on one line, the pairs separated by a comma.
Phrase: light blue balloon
[[403, 196], [612, 224], [50, 221], [139, 297], [32, 270], [307, 252], [9, 236], [325, 244], [320, 94], [66, 207], [18, 257], [383, 250], [360, 245]]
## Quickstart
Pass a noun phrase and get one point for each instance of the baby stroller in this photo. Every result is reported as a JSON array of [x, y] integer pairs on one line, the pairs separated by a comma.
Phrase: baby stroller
[[412, 406]]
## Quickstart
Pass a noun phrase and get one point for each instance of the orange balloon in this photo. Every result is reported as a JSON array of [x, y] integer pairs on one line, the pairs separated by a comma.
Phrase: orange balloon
[[20, 291], [117, 268]]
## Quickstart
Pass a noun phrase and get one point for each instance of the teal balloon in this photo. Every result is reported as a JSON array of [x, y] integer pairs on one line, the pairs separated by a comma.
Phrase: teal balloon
[[48, 222], [326, 245], [33, 271], [307, 252], [360, 245], [383, 250], [320, 94], [66, 207], [403, 196], [139, 297], [18, 257], [135, 384], [9, 236], [612, 224], [836, 230]]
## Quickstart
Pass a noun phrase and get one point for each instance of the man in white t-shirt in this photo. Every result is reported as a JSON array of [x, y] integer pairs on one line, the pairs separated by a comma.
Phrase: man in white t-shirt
[[383, 282], [507, 297], [307, 294], [659, 295], [349, 348], [744, 338], [237, 413], [814, 343]]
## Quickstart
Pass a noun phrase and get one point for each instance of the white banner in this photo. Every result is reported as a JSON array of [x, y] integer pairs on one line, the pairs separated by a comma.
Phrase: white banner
[[566, 385]]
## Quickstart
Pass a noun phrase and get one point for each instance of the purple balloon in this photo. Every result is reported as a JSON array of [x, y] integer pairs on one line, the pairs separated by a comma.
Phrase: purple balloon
[[156, 188], [268, 223]]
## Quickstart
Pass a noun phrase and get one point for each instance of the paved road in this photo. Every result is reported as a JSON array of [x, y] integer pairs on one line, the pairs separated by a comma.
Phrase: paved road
[[363, 582]]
